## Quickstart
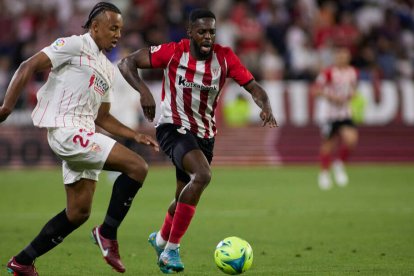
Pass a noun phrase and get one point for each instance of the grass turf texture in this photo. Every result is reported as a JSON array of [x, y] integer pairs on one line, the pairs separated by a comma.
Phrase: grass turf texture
[[294, 228]]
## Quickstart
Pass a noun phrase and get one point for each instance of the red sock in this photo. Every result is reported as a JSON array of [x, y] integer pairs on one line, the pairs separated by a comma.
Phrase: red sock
[[325, 161], [344, 153], [182, 218], [166, 227]]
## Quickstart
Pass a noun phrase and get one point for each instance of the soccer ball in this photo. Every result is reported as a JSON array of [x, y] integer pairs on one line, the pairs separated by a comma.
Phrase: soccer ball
[[233, 255]]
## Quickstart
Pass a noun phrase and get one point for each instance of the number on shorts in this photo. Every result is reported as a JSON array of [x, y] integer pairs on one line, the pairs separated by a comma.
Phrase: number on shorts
[[78, 138]]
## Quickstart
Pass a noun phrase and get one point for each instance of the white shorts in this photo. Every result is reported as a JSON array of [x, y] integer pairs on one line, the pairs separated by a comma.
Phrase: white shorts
[[83, 153]]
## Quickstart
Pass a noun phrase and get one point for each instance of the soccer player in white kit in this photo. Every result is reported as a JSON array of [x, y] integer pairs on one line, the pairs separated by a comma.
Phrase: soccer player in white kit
[[75, 98], [337, 84]]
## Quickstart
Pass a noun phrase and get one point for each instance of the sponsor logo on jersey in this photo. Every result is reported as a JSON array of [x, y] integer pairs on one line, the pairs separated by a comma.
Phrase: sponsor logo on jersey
[[154, 49], [188, 84], [99, 85], [59, 43]]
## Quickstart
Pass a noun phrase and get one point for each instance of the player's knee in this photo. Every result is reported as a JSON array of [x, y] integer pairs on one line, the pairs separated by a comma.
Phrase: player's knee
[[203, 177], [137, 169], [140, 171], [79, 216], [351, 141]]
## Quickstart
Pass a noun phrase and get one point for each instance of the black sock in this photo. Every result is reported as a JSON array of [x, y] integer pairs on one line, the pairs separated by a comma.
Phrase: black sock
[[51, 235], [123, 192]]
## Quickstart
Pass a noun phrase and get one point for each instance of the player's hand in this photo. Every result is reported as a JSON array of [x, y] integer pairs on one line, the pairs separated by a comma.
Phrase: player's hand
[[147, 140], [4, 113], [268, 118], [148, 106]]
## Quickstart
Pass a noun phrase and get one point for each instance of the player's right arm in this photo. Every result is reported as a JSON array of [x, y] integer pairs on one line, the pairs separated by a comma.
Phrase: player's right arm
[[129, 70], [38, 62]]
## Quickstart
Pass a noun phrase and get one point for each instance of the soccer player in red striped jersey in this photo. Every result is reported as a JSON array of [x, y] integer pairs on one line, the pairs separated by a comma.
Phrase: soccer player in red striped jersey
[[337, 84], [195, 71]]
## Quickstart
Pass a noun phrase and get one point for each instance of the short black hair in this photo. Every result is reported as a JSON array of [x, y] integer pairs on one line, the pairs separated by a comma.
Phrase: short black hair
[[200, 13], [99, 8]]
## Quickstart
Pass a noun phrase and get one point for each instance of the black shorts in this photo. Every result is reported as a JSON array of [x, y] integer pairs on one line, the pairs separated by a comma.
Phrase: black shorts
[[176, 141], [331, 128]]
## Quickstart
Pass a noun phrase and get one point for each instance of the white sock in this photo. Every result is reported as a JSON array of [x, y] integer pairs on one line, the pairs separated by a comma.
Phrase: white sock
[[160, 241], [172, 246]]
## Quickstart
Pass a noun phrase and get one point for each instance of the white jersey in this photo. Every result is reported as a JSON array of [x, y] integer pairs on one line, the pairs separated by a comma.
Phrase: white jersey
[[80, 80]]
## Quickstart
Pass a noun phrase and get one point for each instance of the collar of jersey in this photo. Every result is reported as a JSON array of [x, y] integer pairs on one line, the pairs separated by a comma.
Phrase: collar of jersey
[[92, 42]]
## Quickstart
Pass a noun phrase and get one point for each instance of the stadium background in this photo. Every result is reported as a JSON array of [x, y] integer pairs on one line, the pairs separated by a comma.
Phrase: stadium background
[[284, 44]]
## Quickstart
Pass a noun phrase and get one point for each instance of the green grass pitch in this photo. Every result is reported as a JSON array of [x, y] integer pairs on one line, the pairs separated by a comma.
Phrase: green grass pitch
[[294, 228]]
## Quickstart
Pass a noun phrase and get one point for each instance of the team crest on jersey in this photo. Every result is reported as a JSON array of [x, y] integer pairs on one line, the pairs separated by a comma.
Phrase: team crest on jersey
[[99, 85], [215, 71], [59, 43], [155, 48]]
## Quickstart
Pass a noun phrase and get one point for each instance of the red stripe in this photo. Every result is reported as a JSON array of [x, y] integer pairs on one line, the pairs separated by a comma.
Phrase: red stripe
[[172, 74], [74, 110], [67, 107], [223, 76], [163, 90], [187, 94], [44, 112], [223, 68], [204, 97], [60, 106], [37, 108]]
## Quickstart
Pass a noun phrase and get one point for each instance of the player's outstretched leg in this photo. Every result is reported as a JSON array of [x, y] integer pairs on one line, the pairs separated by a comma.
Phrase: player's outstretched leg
[[52, 234], [15, 268], [109, 249]]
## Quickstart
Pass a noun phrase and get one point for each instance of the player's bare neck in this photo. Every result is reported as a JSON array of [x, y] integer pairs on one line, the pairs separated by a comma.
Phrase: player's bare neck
[[96, 39]]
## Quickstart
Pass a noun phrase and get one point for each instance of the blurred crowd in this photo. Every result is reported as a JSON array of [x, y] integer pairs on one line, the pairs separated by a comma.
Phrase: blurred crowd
[[276, 39]]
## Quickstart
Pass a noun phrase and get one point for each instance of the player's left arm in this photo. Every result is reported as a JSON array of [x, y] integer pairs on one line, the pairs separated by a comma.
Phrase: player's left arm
[[260, 97], [109, 123]]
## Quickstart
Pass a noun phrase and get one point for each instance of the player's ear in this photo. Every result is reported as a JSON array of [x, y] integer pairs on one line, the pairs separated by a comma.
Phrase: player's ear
[[94, 25]]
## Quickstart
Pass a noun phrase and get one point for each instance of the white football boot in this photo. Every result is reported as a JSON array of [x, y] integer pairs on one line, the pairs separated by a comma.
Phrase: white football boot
[[341, 178], [324, 180]]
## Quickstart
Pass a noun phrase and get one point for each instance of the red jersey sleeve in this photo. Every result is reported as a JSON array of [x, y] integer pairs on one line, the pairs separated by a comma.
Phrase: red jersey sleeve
[[161, 55], [235, 69]]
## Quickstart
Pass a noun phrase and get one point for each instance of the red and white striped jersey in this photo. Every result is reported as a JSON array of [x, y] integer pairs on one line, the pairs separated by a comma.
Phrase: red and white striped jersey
[[80, 80], [191, 87], [340, 82]]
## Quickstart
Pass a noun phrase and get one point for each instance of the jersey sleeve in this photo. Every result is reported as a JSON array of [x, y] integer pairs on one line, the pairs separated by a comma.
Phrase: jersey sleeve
[[108, 97], [236, 70], [160, 55], [63, 49]]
